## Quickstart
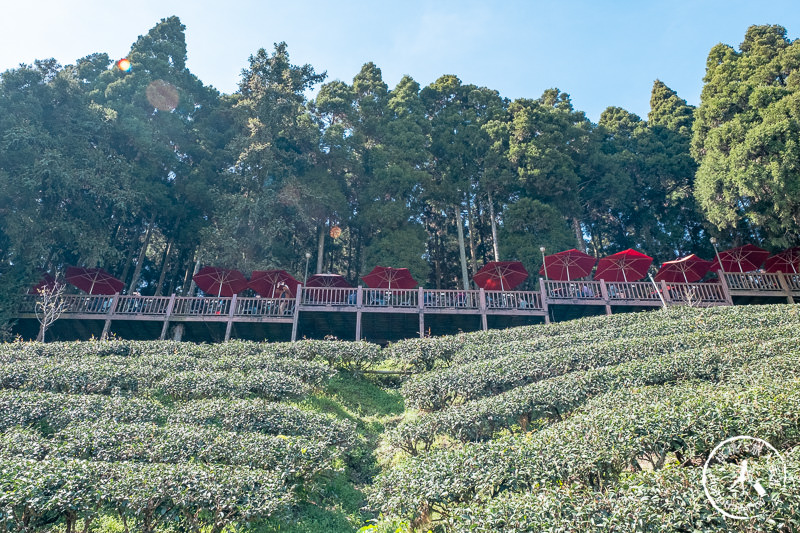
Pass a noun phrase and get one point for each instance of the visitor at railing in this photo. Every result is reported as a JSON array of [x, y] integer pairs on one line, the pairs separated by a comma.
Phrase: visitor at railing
[[283, 295]]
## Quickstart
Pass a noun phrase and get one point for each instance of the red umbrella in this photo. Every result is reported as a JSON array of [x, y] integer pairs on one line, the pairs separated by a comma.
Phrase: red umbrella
[[742, 259], [93, 280], [388, 277], [627, 265], [687, 269], [265, 282], [787, 261], [500, 275], [567, 265], [220, 281], [46, 282], [328, 280]]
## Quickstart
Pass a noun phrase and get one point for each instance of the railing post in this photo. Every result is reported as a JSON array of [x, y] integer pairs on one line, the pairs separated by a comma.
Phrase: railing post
[[545, 300], [359, 304], [421, 310], [482, 307], [726, 291], [231, 312], [170, 307], [298, 297], [785, 286], [111, 310], [665, 292], [604, 295]]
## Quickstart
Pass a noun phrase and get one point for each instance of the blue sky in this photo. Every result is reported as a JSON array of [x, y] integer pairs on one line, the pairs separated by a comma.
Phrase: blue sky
[[602, 53]]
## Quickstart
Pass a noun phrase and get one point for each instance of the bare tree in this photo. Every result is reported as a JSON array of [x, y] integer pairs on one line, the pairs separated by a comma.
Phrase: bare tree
[[49, 306]]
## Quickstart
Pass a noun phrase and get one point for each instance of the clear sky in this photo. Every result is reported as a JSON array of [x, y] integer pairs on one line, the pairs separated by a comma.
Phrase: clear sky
[[601, 52]]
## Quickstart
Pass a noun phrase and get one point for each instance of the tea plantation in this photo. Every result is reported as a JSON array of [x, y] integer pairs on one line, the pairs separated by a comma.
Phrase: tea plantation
[[599, 424]]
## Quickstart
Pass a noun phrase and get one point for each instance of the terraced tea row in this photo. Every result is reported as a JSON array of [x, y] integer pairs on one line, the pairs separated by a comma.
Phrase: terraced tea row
[[52, 412], [458, 384], [553, 398], [145, 496], [614, 432], [426, 354], [671, 499]]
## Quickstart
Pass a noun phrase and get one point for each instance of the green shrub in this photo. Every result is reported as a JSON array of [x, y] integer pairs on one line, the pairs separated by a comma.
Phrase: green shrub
[[614, 432], [554, 398]]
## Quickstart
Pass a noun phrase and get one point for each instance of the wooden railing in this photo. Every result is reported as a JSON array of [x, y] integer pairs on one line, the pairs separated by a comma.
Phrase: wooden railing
[[513, 300], [360, 299], [250, 307], [636, 290], [696, 293], [390, 298], [573, 290], [753, 281], [192, 306], [142, 305], [451, 299], [326, 296]]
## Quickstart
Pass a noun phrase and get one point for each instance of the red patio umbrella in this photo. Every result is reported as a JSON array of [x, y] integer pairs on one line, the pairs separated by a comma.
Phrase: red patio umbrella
[[265, 282], [45, 282], [220, 281], [500, 275], [627, 265], [567, 265], [686, 269], [389, 278], [93, 280], [741, 259], [328, 280], [788, 261]]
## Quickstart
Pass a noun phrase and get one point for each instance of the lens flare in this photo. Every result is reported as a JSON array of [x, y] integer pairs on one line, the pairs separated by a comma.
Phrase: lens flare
[[124, 64], [162, 95]]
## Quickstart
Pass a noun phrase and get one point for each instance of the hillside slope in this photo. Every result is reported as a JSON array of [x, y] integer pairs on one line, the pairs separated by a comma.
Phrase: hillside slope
[[600, 424]]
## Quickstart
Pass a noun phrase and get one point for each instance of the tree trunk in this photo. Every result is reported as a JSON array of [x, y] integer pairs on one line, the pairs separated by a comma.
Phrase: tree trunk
[[191, 283], [471, 227], [164, 263], [128, 259], [461, 251], [576, 225], [495, 246], [321, 249], [138, 270]]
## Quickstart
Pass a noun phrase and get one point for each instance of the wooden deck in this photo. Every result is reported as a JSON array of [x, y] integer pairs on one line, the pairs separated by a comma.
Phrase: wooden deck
[[227, 312]]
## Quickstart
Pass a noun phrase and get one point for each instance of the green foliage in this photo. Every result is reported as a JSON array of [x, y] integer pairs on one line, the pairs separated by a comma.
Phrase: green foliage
[[606, 421], [671, 499], [745, 137], [529, 406], [611, 433], [150, 433]]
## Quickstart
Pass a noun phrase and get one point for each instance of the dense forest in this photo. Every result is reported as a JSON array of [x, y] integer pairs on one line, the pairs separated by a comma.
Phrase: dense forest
[[148, 172]]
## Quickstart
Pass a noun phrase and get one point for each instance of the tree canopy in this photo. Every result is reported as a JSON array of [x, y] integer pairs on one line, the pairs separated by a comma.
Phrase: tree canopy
[[148, 172]]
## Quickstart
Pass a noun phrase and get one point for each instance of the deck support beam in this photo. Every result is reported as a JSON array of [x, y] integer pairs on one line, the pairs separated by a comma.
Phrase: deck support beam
[[359, 306], [786, 288], [296, 315], [229, 325], [165, 327], [421, 311], [482, 307], [604, 295], [111, 310], [725, 289]]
